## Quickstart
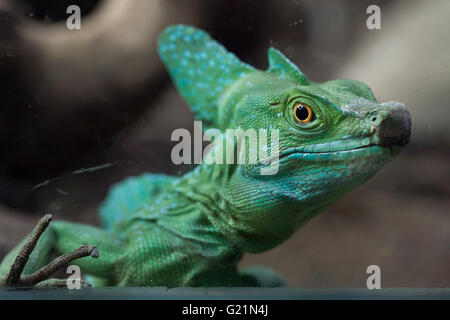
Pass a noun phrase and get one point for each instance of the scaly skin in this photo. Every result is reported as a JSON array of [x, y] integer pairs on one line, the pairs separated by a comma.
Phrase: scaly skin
[[192, 230]]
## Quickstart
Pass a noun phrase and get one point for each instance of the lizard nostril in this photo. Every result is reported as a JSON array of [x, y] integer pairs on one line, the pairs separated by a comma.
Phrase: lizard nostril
[[395, 129]]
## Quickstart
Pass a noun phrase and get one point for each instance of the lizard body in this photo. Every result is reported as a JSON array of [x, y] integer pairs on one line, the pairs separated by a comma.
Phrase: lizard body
[[192, 230]]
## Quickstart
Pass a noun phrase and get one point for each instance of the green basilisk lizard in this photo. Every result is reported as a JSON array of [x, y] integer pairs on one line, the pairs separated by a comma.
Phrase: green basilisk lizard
[[192, 230]]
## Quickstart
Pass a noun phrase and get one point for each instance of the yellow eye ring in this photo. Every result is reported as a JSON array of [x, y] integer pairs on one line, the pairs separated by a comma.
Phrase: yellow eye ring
[[303, 113]]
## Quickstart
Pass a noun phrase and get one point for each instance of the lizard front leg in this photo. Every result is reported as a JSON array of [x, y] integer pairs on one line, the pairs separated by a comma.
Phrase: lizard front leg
[[14, 277]]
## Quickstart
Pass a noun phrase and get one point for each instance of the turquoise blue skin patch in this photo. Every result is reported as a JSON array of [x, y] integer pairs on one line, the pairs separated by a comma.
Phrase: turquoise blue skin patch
[[201, 68], [127, 196]]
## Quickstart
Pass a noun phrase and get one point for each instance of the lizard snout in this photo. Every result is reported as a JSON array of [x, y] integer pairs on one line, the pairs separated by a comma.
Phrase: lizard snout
[[395, 129]]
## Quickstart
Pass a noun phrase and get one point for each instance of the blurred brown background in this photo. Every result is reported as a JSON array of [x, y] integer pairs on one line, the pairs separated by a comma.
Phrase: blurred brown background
[[99, 96]]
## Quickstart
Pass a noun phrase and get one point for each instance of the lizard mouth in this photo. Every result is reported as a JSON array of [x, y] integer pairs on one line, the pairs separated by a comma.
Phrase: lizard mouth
[[341, 150]]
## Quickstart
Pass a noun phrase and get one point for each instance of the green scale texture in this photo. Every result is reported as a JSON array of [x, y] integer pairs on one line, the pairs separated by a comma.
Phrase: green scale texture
[[193, 230]]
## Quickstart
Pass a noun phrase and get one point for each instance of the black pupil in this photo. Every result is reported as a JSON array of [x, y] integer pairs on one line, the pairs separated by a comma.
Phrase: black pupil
[[302, 113]]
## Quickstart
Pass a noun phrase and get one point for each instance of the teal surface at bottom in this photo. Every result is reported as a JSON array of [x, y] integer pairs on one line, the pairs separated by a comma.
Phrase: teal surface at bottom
[[187, 293]]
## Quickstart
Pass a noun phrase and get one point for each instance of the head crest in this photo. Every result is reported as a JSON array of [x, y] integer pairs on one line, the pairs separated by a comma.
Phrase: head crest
[[278, 63], [201, 68]]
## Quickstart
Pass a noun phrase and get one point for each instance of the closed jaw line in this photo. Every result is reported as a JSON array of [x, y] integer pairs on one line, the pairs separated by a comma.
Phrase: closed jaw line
[[346, 149]]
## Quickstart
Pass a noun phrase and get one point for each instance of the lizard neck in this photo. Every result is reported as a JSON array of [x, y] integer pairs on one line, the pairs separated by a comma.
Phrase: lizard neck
[[248, 213], [185, 207]]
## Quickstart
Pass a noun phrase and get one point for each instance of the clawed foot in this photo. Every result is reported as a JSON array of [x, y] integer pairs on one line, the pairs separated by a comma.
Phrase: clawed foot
[[41, 278]]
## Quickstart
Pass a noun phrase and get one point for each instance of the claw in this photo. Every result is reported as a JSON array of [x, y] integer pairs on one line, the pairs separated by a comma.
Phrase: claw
[[24, 254], [41, 278], [94, 253], [60, 283], [51, 268]]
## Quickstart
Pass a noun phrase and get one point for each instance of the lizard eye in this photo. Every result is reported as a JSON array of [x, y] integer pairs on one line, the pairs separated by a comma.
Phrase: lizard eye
[[303, 113]]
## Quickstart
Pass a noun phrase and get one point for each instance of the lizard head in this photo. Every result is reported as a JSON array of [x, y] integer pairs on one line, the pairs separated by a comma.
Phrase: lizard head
[[332, 136], [323, 139]]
